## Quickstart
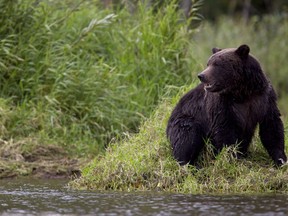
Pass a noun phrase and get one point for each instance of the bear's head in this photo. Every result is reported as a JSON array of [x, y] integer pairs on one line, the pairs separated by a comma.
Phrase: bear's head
[[233, 71]]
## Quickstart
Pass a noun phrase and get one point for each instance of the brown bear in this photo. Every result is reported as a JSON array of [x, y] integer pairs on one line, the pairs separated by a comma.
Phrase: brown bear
[[233, 97]]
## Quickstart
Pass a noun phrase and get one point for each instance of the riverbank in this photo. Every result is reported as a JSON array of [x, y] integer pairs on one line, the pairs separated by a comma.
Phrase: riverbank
[[29, 158], [143, 162]]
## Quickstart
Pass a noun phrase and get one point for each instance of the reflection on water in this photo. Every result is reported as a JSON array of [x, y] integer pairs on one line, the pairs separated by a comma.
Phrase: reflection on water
[[50, 197]]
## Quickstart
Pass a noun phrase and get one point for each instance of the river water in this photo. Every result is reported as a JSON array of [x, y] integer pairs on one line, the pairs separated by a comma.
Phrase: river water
[[51, 197]]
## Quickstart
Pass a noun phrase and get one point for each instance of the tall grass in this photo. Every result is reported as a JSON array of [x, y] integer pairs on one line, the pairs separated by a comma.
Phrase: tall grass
[[80, 75]]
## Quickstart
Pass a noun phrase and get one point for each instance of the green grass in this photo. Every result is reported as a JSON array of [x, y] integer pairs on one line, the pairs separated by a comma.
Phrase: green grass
[[79, 76], [143, 162]]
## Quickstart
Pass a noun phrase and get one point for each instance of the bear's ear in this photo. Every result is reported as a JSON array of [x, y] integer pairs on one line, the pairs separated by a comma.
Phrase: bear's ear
[[243, 51], [215, 50]]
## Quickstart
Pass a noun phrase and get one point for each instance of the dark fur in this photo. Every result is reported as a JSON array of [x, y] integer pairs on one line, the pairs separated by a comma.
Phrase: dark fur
[[226, 107]]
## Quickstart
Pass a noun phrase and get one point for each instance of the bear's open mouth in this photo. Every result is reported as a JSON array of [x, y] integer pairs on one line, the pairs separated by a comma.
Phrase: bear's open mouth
[[214, 87], [207, 86]]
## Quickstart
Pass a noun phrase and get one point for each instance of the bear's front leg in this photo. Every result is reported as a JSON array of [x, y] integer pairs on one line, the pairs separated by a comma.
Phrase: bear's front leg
[[272, 135]]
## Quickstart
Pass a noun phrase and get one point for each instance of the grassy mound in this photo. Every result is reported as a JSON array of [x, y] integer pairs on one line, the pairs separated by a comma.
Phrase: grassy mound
[[143, 162]]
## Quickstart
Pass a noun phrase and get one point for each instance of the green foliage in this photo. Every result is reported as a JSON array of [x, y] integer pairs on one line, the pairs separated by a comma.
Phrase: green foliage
[[143, 162], [82, 75]]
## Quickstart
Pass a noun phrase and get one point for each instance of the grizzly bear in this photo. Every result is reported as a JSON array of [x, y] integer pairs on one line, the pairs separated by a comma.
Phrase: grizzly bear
[[234, 96]]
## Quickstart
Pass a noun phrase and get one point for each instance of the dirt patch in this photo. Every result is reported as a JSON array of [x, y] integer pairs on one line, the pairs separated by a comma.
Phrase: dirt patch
[[29, 158]]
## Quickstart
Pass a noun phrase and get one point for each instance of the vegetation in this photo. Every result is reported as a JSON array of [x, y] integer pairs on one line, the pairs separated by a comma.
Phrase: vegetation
[[88, 72]]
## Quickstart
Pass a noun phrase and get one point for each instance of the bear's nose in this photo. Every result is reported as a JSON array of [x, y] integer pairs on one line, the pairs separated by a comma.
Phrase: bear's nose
[[201, 77]]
